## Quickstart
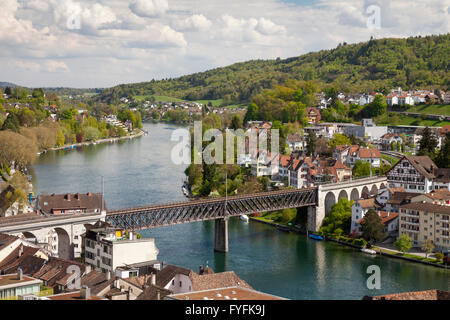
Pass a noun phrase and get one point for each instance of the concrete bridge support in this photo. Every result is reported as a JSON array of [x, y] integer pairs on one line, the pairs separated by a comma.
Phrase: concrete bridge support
[[329, 194], [221, 235]]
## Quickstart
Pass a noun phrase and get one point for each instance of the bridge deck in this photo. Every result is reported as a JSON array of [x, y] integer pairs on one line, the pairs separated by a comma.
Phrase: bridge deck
[[208, 201], [209, 209]]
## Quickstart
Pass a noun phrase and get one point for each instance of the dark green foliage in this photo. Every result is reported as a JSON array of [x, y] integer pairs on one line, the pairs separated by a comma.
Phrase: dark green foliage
[[372, 227], [311, 143], [443, 158], [339, 219], [12, 122], [428, 143], [374, 65]]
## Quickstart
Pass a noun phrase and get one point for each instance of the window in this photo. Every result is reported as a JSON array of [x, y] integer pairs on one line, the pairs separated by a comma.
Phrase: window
[[180, 284]]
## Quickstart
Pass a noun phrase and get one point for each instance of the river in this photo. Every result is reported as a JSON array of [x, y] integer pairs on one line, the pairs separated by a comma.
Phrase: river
[[139, 172]]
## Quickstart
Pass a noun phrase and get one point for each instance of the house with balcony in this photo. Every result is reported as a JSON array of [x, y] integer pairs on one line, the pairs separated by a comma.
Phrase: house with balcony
[[106, 249], [423, 221]]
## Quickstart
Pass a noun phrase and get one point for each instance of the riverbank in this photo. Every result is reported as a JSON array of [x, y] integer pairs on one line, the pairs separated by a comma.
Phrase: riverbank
[[380, 251], [105, 140]]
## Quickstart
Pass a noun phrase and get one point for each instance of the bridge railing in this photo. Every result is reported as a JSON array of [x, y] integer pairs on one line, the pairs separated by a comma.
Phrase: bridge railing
[[352, 179]]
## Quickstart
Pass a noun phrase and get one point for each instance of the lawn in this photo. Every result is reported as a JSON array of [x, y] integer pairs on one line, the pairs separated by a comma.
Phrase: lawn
[[390, 159], [431, 109], [215, 103], [407, 255], [407, 120], [158, 98]]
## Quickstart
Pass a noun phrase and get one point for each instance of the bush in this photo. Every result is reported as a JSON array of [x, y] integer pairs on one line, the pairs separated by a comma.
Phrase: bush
[[360, 242], [439, 255]]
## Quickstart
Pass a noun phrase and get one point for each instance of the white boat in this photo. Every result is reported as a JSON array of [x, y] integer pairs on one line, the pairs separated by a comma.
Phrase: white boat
[[369, 251], [243, 217], [185, 190]]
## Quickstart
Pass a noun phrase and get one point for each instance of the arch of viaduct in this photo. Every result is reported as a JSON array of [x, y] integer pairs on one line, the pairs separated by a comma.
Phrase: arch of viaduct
[[60, 235], [329, 194]]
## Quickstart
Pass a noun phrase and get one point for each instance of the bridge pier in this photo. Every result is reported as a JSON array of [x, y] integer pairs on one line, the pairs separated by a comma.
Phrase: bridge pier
[[221, 235]]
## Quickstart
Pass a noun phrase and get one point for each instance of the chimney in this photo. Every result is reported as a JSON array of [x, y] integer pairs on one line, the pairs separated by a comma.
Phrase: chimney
[[88, 269], [153, 279], [158, 295], [108, 275], [68, 197], [200, 270], [130, 234], [85, 293], [21, 250], [163, 265], [117, 284], [19, 273]]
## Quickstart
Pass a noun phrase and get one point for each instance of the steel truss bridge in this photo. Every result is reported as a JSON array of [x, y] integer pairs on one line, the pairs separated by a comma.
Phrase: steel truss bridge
[[210, 209]]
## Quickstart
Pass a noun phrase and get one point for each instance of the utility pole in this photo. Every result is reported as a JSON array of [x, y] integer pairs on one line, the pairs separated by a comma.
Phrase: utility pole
[[103, 192], [226, 192]]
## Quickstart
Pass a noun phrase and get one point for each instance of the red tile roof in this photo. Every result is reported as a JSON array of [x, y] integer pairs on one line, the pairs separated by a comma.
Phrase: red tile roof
[[369, 153]]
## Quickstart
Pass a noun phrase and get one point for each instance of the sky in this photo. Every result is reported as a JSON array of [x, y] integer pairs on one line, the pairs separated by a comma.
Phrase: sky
[[102, 43]]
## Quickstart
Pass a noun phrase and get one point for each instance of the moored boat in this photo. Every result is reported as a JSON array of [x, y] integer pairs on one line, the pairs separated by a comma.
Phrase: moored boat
[[244, 217], [315, 236], [369, 251]]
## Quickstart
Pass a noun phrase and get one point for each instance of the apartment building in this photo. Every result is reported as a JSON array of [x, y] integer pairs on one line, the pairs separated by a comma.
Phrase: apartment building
[[423, 221], [108, 248]]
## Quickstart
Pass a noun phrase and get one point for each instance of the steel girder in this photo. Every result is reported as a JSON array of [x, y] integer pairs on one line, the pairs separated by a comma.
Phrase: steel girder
[[167, 215]]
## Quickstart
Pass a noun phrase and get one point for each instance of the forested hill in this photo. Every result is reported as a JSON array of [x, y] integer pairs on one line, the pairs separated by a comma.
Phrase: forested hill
[[415, 62]]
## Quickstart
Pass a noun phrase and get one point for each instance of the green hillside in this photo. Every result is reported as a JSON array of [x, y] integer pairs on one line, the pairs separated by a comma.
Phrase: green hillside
[[415, 62]]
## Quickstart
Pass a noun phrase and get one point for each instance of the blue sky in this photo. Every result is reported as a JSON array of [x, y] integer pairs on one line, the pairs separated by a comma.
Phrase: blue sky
[[101, 43]]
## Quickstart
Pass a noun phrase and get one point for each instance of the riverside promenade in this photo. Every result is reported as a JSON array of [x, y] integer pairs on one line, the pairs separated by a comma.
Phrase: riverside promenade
[[106, 140]]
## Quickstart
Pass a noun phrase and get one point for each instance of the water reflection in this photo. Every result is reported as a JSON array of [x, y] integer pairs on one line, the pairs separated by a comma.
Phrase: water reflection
[[139, 172]]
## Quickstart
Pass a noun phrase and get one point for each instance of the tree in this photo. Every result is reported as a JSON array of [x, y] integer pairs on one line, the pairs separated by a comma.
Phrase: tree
[[340, 217], [17, 149], [338, 140], [251, 113], [322, 147], [311, 143], [376, 107], [12, 122], [288, 215], [236, 122], [443, 158], [91, 133], [61, 139], [427, 143], [372, 229], [403, 243], [38, 93], [361, 169], [428, 247]]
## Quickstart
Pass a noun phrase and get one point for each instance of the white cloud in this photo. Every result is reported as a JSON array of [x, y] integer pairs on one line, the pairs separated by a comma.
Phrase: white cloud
[[149, 8], [249, 29], [159, 36], [28, 65], [56, 66], [37, 47], [196, 22]]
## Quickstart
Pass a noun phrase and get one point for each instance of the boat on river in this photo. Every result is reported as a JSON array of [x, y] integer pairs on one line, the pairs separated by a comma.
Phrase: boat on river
[[244, 217], [185, 190], [368, 251], [315, 237]]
